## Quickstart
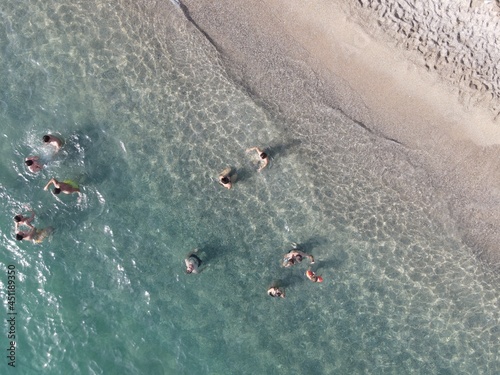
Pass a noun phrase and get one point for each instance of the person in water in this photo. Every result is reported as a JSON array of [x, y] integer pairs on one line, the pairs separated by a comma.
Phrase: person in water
[[227, 178], [313, 277], [264, 158], [33, 164], [274, 291], [34, 235], [23, 220], [66, 187], [193, 262], [49, 139], [295, 256]]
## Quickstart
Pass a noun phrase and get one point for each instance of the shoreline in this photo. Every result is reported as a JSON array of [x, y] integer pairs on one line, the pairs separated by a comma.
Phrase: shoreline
[[280, 50]]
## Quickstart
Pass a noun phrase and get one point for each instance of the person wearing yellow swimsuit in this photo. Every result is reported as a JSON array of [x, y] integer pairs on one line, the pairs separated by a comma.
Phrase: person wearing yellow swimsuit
[[66, 187]]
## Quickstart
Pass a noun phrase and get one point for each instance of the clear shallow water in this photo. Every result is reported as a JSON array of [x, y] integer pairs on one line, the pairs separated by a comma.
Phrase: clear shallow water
[[150, 117]]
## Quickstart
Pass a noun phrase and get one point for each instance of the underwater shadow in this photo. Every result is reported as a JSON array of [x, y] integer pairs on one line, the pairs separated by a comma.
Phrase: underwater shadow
[[283, 149], [243, 174], [288, 281], [211, 254], [312, 243], [335, 262]]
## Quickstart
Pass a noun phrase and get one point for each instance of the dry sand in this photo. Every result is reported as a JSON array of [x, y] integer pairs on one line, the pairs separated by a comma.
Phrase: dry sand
[[357, 52], [457, 39]]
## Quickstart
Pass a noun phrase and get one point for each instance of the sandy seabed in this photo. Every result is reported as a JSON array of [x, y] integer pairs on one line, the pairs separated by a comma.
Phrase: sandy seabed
[[423, 76]]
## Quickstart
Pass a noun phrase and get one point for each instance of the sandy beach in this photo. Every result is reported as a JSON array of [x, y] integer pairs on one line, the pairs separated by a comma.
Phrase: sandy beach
[[306, 58]]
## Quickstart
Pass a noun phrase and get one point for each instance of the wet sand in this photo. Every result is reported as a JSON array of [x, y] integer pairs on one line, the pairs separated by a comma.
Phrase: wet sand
[[301, 56]]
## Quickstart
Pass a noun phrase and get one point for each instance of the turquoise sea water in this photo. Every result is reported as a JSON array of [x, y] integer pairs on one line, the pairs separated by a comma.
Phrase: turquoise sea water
[[149, 117]]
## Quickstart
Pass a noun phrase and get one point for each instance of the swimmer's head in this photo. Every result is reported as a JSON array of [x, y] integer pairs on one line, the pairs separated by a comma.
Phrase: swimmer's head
[[263, 155], [46, 138], [298, 258], [280, 293], [19, 236], [57, 191], [29, 162], [18, 218], [225, 180], [273, 291]]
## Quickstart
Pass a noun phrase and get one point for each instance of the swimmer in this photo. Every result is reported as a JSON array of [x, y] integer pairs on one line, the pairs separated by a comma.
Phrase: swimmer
[[295, 256], [33, 165], [263, 157], [52, 140], [274, 291], [227, 178], [26, 235], [67, 186], [193, 262], [34, 235], [313, 277], [23, 220]]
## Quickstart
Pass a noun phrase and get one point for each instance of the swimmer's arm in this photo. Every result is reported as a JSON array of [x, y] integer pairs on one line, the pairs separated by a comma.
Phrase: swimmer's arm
[[304, 255], [51, 181], [57, 143], [201, 269], [284, 259], [252, 148], [30, 219], [264, 164]]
